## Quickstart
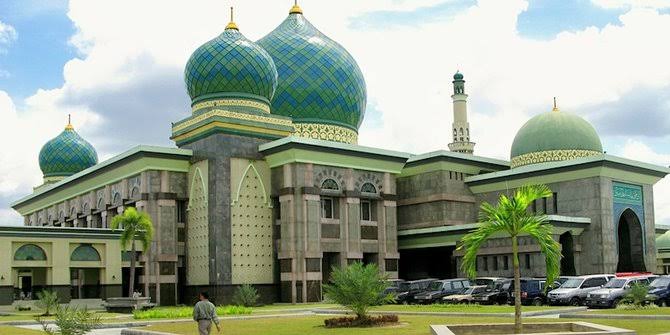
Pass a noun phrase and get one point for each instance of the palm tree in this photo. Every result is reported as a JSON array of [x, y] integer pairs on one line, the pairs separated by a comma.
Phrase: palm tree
[[511, 217], [136, 225]]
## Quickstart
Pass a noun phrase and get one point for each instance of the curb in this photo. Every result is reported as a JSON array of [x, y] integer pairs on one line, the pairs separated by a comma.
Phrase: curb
[[459, 314], [613, 316]]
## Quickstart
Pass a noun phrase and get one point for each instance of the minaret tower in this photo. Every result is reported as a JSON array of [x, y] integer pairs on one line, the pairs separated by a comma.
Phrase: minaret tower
[[460, 127]]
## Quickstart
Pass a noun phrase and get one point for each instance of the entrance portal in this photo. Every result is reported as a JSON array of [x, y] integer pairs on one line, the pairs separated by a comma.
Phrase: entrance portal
[[568, 252], [631, 252]]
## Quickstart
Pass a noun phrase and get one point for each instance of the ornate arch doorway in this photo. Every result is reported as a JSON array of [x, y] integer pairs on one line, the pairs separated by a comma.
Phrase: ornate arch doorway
[[629, 242]]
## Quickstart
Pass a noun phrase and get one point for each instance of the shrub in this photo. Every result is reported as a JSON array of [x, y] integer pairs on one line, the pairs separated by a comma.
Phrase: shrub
[[70, 321], [367, 321], [625, 306], [22, 306], [357, 287], [185, 312], [246, 295], [637, 296], [48, 301]]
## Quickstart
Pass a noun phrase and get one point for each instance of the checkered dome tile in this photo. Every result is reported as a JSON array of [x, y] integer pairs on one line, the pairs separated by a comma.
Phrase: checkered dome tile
[[319, 81], [66, 154], [230, 63]]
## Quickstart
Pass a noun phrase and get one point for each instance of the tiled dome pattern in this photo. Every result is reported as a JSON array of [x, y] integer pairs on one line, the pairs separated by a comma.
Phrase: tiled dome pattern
[[319, 81], [66, 154], [230, 63]]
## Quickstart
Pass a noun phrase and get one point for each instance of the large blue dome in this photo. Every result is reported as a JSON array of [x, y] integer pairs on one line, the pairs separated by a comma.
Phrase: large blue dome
[[230, 65], [320, 85], [66, 154]]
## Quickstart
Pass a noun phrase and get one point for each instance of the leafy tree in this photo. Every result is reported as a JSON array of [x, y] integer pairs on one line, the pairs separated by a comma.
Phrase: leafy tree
[[70, 321], [637, 296], [136, 225], [358, 287], [246, 295], [48, 301], [511, 217]]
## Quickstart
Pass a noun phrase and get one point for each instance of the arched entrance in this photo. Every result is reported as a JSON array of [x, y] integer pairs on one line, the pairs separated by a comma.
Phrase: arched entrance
[[629, 241], [568, 251]]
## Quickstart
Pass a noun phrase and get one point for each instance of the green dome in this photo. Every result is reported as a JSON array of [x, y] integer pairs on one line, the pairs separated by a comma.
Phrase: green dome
[[458, 76], [230, 65], [66, 154], [663, 241], [320, 84], [554, 136]]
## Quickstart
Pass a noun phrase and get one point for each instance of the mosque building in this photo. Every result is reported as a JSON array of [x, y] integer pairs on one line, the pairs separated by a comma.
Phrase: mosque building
[[268, 186]]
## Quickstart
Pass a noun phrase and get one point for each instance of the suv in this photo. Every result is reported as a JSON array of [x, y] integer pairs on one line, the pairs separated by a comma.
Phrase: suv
[[441, 288], [659, 291], [615, 290], [532, 292], [497, 292], [408, 289], [574, 290]]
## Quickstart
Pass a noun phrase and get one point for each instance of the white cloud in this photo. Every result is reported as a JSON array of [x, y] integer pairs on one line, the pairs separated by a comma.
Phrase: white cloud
[[637, 150], [632, 3], [130, 64], [7, 35]]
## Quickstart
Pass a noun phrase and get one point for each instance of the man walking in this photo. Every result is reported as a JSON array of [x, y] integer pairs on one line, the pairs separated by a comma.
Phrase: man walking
[[204, 313]]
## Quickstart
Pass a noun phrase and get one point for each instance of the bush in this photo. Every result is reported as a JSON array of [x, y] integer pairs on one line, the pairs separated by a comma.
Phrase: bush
[[185, 312], [48, 301], [70, 321], [357, 287], [246, 295], [637, 295], [625, 306], [22, 306], [368, 321]]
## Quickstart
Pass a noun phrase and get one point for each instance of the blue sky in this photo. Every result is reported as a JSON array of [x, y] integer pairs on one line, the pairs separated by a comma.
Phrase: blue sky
[[116, 71]]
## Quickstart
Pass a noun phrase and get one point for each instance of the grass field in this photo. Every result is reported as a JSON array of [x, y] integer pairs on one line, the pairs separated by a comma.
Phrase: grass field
[[462, 308], [654, 311], [18, 331], [30, 316], [410, 325]]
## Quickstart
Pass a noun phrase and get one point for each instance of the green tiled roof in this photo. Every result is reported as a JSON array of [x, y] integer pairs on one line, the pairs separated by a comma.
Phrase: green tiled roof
[[230, 65], [66, 154], [319, 81], [663, 241]]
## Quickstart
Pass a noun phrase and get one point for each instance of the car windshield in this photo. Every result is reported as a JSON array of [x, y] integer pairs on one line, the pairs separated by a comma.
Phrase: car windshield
[[404, 287], [660, 282], [470, 290], [479, 289], [435, 286], [615, 283], [572, 283]]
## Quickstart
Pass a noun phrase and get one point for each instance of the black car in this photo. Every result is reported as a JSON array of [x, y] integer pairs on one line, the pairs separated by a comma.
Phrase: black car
[[407, 290], [659, 291], [497, 292], [440, 289], [532, 292]]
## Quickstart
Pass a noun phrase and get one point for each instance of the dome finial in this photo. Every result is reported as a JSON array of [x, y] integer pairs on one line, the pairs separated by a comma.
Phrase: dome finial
[[69, 123], [295, 9], [555, 106], [232, 24]]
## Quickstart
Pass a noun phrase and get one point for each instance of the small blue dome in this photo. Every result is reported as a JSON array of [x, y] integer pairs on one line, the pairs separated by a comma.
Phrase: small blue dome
[[66, 154], [230, 65]]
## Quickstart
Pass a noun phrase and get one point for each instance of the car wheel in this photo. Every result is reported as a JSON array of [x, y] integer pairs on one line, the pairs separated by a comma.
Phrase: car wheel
[[537, 302], [616, 302], [575, 302]]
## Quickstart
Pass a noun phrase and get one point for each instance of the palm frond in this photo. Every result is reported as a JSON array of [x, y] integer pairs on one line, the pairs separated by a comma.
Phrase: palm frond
[[540, 230], [473, 241]]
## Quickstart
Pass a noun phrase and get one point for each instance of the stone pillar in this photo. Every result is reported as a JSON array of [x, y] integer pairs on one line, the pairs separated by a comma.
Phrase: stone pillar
[[352, 222]]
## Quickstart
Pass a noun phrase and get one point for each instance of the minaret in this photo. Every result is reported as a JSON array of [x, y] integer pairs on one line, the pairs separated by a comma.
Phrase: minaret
[[460, 127]]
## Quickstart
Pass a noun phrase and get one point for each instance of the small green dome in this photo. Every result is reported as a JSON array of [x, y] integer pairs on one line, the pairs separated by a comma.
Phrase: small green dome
[[458, 76], [66, 154], [230, 65], [663, 241], [554, 136]]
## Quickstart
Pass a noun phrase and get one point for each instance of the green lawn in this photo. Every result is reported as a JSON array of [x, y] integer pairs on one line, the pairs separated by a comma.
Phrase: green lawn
[[655, 311], [462, 308], [30, 316], [410, 325], [18, 331], [276, 307]]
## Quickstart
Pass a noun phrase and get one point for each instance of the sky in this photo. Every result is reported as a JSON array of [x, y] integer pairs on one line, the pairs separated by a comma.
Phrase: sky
[[117, 67]]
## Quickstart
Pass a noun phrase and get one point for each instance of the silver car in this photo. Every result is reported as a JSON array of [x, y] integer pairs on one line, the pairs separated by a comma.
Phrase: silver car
[[574, 290], [615, 290]]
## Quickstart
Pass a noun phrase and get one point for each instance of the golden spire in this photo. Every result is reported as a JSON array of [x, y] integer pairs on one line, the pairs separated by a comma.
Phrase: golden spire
[[232, 24], [69, 123], [555, 106], [295, 9]]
